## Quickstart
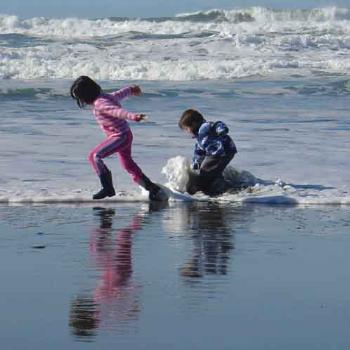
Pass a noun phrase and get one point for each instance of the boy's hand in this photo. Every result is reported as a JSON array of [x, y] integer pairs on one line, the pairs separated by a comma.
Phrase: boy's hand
[[136, 90], [195, 166], [141, 117]]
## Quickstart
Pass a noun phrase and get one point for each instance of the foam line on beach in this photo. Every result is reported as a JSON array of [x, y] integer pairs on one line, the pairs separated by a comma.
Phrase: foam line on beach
[[270, 197]]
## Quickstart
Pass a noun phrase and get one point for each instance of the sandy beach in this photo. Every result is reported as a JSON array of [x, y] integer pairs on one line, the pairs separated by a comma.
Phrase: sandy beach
[[183, 276]]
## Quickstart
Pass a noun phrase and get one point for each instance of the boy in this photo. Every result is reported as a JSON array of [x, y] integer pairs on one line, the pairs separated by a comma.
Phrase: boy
[[214, 149]]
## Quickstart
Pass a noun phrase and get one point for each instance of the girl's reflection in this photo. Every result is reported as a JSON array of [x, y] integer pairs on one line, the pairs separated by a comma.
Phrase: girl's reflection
[[115, 299], [113, 257]]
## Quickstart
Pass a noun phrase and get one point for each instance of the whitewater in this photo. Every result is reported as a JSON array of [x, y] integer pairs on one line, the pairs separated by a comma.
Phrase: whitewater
[[278, 78], [217, 44]]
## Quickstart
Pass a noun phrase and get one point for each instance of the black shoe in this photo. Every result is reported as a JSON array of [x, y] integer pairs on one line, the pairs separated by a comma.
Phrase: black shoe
[[103, 193], [217, 187], [107, 186], [155, 192]]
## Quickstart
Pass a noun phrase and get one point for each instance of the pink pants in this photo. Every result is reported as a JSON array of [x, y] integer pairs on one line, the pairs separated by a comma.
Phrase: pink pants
[[115, 144]]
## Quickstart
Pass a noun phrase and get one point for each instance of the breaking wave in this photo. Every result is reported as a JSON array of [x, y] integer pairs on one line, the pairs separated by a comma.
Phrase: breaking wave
[[215, 44]]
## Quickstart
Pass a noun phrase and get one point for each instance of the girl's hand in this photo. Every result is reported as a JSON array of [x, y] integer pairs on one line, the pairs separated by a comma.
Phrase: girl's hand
[[141, 117], [136, 90]]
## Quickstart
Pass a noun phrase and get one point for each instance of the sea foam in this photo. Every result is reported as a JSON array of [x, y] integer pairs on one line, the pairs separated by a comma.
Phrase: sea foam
[[216, 44], [246, 189]]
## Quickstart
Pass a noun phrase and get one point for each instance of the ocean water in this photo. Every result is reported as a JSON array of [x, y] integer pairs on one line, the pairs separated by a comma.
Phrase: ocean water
[[278, 78], [216, 44], [292, 137], [261, 268]]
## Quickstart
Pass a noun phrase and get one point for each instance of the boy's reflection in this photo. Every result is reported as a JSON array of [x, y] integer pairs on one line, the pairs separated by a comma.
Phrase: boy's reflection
[[210, 226], [115, 299]]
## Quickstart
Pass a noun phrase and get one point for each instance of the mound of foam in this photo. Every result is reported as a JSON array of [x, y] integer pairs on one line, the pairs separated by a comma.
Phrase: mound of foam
[[177, 171], [246, 188]]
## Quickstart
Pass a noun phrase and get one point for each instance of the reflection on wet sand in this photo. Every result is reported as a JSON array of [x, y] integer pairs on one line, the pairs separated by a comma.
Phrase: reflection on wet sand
[[115, 298], [115, 302], [212, 242], [211, 227]]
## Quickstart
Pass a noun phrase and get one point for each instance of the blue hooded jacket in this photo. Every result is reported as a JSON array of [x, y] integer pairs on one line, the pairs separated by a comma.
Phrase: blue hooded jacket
[[212, 140]]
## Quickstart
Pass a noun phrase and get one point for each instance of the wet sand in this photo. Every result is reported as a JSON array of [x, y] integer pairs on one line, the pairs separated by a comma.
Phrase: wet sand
[[184, 276]]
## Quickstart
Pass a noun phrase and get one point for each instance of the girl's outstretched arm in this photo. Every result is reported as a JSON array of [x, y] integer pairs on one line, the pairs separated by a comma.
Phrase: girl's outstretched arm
[[109, 109], [134, 90]]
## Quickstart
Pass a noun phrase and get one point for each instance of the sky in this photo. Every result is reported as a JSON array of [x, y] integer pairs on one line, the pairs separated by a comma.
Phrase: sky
[[141, 8]]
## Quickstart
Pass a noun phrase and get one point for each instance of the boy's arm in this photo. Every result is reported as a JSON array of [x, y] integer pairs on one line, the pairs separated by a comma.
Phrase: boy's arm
[[126, 92], [212, 145], [221, 128], [198, 157], [211, 136]]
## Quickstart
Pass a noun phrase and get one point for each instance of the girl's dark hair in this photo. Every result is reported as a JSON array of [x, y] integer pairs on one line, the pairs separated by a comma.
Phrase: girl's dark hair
[[191, 119], [85, 91]]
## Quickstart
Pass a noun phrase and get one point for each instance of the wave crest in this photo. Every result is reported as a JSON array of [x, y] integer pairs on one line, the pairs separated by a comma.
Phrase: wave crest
[[266, 14], [215, 44]]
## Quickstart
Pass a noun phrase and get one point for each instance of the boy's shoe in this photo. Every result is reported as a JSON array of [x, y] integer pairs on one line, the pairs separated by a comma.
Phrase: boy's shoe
[[218, 186], [107, 186]]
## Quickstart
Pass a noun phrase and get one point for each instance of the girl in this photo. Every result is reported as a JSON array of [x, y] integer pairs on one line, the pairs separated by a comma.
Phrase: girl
[[112, 119]]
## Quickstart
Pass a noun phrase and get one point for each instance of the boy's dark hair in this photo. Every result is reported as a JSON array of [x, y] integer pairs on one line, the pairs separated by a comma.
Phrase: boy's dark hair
[[85, 91], [191, 119]]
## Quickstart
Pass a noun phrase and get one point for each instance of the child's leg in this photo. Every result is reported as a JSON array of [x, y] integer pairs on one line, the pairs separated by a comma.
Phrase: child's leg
[[127, 162], [103, 150], [211, 169], [136, 173]]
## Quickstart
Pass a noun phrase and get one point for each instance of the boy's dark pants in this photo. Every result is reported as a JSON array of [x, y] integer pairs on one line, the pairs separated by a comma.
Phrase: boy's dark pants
[[211, 169]]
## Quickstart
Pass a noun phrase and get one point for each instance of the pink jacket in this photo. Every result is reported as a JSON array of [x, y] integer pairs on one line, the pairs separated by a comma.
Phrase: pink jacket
[[110, 115]]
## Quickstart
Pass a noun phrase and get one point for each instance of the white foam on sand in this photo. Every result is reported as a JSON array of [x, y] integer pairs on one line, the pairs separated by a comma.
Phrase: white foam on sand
[[65, 197], [246, 188]]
